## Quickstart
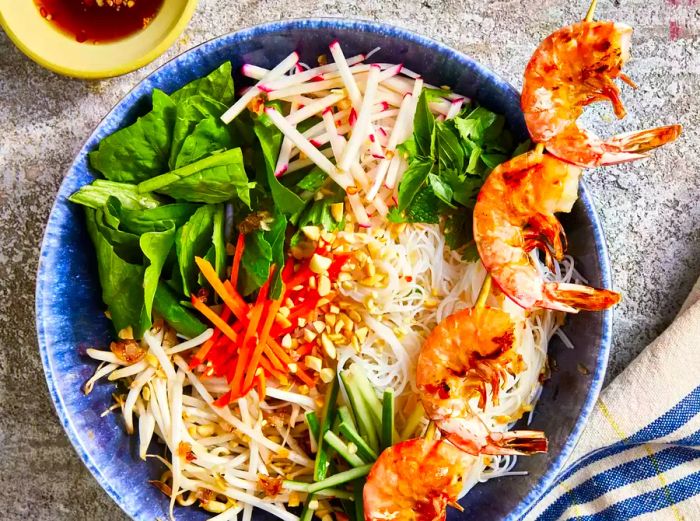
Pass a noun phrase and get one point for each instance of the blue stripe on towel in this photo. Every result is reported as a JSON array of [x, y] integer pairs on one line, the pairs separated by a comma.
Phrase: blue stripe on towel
[[620, 476], [652, 501], [670, 421]]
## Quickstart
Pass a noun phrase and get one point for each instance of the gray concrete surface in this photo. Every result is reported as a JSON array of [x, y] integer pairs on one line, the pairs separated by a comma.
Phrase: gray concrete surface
[[650, 209]]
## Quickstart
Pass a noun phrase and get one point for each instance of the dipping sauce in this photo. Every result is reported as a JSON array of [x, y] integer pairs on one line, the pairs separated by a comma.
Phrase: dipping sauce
[[98, 21]]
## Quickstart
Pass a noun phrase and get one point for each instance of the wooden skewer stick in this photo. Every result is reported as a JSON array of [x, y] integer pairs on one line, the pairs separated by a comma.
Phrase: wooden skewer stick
[[591, 10]]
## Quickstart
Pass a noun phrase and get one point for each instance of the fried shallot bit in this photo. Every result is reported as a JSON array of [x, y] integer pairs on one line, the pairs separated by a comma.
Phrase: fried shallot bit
[[129, 351], [163, 487], [184, 450], [269, 485]]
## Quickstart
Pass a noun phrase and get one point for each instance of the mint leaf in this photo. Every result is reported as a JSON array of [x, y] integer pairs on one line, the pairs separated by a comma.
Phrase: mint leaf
[[425, 207]]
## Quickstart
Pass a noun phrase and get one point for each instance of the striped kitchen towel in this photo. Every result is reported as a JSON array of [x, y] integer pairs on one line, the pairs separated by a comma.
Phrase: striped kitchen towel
[[639, 456]]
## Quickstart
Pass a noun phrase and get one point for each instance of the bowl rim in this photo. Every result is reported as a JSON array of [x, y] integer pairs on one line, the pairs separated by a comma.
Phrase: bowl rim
[[598, 373], [66, 70]]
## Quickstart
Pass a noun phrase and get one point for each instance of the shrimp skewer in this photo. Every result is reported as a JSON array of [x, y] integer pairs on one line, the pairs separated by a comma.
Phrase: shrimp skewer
[[415, 480], [465, 352], [572, 68], [514, 214]]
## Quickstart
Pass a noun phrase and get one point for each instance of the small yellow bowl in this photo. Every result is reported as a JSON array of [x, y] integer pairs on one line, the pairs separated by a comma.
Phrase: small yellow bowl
[[42, 42]]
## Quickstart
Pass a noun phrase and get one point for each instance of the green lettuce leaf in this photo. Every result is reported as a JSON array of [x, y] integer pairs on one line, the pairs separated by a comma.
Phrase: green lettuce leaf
[[95, 195], [193, 239], [121, 281], [141, 150], [167, 305], [214, 179], [155, 246]]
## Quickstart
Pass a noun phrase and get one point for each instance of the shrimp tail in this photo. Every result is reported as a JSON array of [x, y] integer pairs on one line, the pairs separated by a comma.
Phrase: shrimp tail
[[516, 443], [472, 436], [575, 297], [643, 140]]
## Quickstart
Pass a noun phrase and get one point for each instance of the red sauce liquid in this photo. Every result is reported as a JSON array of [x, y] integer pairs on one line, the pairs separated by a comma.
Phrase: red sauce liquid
[[89, 22]]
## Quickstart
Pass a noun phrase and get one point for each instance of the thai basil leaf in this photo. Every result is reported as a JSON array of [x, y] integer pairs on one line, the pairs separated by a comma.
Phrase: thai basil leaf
[[441, 189], [95, 195], [413, 179], [450, 152], [141, 150], [167, 305], [424, 128]]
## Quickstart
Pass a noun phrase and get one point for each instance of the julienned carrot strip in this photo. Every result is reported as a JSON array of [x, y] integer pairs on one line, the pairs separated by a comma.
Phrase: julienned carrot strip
[[280, 352], [303, 376], [241, 306], [223, 400], [267, 365], [202, 353], [288, 269], [210, 274], [252, 329], [261, 384], [300, 277], [272, 310], [237, 255], [214, 318], [270, 354]]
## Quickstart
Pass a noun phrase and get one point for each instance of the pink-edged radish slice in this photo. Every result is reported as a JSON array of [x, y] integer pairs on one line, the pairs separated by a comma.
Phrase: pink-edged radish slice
[[397, 131], [243, 101], [355, 70], [309, 75], [351, 85], [314, 108], [404, 70], [391, 97], [392, 173], [363, 124], [305, 146], [455, 107], [379, 206], [345, 73], [303, 163], [285, 148], [338, 144], [440, 107], [390, 72], [372, 53], [408, 125], [253, 71], [304, 88]]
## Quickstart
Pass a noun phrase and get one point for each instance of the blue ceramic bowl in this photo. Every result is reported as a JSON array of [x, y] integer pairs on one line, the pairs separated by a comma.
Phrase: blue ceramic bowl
[[69, 310]]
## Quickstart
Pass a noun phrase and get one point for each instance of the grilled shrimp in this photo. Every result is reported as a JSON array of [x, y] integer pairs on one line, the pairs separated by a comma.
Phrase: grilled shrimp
[[573, 67], [514, 214], [415, 480], [461, 355]]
